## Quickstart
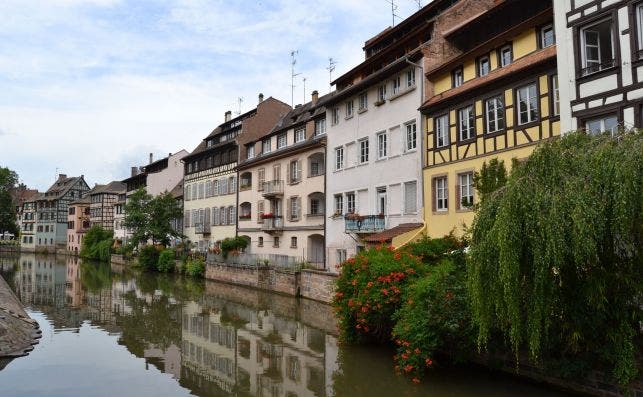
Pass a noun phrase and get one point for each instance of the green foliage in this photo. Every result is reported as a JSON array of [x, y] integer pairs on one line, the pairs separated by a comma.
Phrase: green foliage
[[137, 216], [148, 257], [165, 262], [490, 178], [97, 244], [232, 244], [555, 255], [8, 181], [95, 276], [150, 217], [195, 268], [434, 318]]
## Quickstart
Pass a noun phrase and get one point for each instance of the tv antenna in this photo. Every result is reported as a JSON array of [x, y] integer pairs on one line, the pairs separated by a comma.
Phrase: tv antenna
[[419, 4], [304, 80], [393, 9], [239, 100], [293, 61], [330, 68]]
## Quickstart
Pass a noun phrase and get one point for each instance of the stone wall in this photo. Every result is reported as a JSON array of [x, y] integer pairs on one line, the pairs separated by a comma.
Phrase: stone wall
[[317, 285]]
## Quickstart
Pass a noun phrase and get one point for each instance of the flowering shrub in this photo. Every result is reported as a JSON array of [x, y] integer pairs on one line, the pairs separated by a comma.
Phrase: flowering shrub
[[434, 318], [369, 291]]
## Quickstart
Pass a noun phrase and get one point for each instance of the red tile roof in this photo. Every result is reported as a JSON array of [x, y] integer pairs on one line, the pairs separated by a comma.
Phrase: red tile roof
[[388, 234]]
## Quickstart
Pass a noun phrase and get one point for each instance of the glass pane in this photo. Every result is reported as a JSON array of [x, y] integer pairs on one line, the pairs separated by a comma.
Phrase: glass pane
[[611, 123]]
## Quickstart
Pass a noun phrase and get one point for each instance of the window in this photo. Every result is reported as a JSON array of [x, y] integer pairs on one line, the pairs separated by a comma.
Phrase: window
[[223, 186], [260, 242], [466, 123], [555, 99], [293, 242], [281, 140], [232, 215], [340, 255], [363, 151], [505, 55], [457, 77], [608, 123], [441, 194], [339, 204], [410, 197], [335, 116], [294, 208], [339, 158], [547, 37], [315, 206], [465, 190], [350, 203], [363, 101], [295, 171], [265, 146], [411, 137], [596, 47], [484, 67], [495, 111], [261, 178], [215, 187], [441, 131], [410, 78], [320, 127], [349, 109], [527, 104], [381, 145], [232, 184], [246, 181], [639, 28], [275, 242], [300, 135], [396, 85], [381, 93]]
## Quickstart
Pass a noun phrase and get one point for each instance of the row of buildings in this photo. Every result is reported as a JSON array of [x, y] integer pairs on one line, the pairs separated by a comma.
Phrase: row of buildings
[[390, 154]]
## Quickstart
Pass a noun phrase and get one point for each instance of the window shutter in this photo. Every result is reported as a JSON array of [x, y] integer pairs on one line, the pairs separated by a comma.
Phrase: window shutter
[[289, 209], [298, 207], [216, 215], [434, 192], [207, 217], [298, 170], [458, 195], [234, 184], [410, 197], [186, 218], [260, 211], [289, 177]]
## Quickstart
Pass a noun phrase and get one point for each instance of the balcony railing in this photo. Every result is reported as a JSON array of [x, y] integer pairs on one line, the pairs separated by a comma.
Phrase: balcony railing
[[275, 224], [273, 188], [597, 67], [364, 223], [202, 228]]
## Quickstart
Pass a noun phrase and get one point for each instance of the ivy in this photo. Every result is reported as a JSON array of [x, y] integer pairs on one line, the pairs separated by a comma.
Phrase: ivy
[[555, 260]]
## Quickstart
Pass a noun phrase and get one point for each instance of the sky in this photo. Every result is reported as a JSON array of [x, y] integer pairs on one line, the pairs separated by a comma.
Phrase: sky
[[92, 87]]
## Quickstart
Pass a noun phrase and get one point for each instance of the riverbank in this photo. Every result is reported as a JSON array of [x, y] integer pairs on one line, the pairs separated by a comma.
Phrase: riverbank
[[18, 332]]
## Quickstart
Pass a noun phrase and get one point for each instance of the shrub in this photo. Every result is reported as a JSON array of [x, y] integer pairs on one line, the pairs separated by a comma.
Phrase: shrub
[[434, 318], [165, 262], [231, 244], [148, 257], [97, 244], [195, 268]]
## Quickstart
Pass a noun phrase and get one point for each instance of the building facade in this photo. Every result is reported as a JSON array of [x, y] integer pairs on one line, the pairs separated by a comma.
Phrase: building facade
[[28, 223], [281, 204], [374, 156], [78, 223], [103, 200], [52, 212], [210, 180], [600, 63], [120, 232], [492, 92]]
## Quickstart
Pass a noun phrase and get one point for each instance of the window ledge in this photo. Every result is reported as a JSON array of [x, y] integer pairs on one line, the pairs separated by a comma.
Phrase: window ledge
[[382, 159], [598, 73], [410, 151], [362, 164], [348, 117], [464, 210], [467, 141], [380, 103], [402, 92], [362, 111], [443, 212]]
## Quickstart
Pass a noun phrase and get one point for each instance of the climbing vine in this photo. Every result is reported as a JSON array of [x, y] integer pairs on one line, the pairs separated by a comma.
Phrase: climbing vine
[[555, 262]]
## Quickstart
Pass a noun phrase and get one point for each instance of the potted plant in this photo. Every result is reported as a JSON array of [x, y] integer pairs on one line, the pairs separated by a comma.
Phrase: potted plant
[[267, 215], [353, 216], [245, 216]]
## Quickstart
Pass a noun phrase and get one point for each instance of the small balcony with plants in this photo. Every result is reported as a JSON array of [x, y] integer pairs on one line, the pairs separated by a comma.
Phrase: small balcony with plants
[[272, 223], [356, 223]]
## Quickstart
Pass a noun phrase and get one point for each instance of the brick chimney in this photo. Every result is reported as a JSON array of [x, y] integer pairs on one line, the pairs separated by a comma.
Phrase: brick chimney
[[134, 171], [151, 158], [62, 176], [228, 116], [260, 97], [315, 97]]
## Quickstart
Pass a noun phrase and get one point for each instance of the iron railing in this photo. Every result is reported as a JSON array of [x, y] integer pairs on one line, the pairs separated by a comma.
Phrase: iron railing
[[364, 223]]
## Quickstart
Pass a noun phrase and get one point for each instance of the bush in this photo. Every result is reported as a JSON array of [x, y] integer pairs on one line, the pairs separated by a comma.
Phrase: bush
[[195, 268], [97, 244], [233, 244], [148, 257], [434, 318], [165, 262]]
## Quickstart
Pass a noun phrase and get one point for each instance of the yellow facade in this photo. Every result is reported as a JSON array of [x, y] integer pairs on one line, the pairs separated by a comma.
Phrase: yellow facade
[[467, 157]]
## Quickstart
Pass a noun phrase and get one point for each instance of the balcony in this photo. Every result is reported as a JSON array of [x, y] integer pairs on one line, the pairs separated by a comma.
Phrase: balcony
[[273, 225], [364, 223], [273, 188], [202, 228]]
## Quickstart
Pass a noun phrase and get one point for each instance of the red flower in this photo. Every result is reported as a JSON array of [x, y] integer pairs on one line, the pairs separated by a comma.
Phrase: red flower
[[384, 291], [408, 368], [416, 380], [416, 351], [428, 362], [397, 256]]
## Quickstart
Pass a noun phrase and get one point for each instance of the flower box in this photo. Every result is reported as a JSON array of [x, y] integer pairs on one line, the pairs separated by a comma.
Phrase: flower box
[[267, 215]]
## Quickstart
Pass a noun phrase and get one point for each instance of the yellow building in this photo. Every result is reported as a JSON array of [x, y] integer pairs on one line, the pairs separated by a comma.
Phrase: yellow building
[[492, 92]]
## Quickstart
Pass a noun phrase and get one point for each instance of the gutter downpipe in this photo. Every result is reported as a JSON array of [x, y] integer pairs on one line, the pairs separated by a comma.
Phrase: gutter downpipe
[[422, 133]]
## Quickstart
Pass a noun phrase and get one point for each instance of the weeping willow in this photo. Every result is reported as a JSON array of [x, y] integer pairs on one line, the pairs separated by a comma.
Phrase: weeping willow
[[555, 265]]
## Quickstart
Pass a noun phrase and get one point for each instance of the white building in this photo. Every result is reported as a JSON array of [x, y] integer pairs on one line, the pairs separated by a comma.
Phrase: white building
[[600, 63], [374, 156]]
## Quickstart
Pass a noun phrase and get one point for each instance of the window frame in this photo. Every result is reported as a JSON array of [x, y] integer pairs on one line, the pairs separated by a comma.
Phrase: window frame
[[282, 138], [458, 71], [436, 197], [335, 115], [350, 109], [600, 116], [583, 69], [554, 95], [362, 101], [266, 142], [517, 104], [396, 85], [541, 35], [382, 151], [363, 157], [351, 198], [447, 132], [414, 133], [479, 63], [339, 160], [338, 204], [410, 77], [501, 63], [472, 123], [487, 120], [298, 138], [471, 189]]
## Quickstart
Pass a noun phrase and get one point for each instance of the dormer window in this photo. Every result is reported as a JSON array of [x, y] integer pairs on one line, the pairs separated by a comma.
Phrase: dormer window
[[250, 151], [265, 146], [457, 77], [281, 140], [410, 78], [484, 67]]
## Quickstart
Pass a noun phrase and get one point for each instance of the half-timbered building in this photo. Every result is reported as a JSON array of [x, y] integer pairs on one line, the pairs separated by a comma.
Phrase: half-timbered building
[[103, 200], [600, 62], [492, 92]]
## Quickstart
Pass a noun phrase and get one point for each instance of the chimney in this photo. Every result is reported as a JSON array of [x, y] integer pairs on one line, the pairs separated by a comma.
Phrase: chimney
[[62, 176], [228, 116], [315, 97], [260, 97], [151, 158], [134, 171]]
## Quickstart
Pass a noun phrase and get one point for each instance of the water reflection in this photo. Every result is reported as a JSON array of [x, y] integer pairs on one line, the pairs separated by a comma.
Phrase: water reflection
[[208, 339]]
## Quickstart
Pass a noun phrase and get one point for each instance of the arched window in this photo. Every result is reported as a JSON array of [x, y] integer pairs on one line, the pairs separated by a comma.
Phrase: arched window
[[245, 181], [245, 211]]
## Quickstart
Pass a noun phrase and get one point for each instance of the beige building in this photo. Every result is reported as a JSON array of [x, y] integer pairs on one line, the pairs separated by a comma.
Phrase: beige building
[[210, 180], [281, 188]]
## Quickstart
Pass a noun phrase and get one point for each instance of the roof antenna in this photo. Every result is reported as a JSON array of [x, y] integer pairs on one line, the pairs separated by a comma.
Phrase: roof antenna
[[292, 76], [419, 4], [240, 100], [330, 68], [304, 80], [393, 9]]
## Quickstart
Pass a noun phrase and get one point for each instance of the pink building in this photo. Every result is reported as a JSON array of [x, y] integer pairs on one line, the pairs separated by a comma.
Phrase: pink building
[[77, 223]]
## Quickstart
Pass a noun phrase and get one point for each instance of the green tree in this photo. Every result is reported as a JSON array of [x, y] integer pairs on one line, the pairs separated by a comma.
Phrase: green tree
[[97, 244], [162, 210], [8, 181], [490, 177], [137, 217], [555, 263]]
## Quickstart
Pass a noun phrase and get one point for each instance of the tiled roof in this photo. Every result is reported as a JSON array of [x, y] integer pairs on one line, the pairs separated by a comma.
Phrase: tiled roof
[[60, 187], [388, 234], [177, 191], [112, 187]]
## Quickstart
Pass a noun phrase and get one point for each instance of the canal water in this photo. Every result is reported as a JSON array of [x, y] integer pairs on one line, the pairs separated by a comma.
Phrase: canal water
[[110, 332]]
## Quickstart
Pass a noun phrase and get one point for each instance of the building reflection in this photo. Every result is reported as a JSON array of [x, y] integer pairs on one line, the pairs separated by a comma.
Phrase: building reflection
[[224, 341]]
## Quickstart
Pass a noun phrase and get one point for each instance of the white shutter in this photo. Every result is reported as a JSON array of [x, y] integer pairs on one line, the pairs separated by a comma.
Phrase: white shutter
[[410, 197], [215, 188], [207, 217], [216, 215]]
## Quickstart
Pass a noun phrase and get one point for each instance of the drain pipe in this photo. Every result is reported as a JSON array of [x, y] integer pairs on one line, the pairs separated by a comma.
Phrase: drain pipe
[[422, 133]]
